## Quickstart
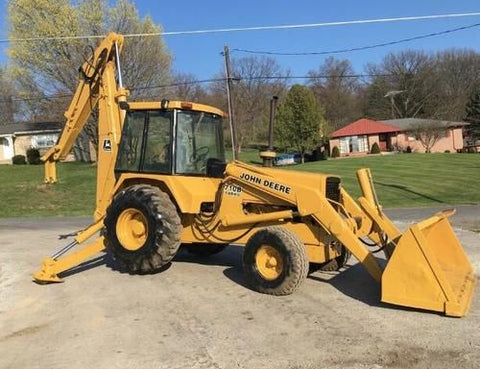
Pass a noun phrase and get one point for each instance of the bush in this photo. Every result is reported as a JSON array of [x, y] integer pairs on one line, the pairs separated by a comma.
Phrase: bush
[[33, 156], [375, 149], [335, 152], [19, 160], [408, 150], [324, 155], [447, 151]]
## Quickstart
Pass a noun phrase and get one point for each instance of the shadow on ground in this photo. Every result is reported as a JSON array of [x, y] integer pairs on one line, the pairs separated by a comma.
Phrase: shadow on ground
[[231, 258], [107, 260], [406, 189], [352, 280]]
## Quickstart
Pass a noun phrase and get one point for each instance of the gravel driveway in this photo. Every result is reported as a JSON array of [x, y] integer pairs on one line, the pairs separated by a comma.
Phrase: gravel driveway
[[199, 314]]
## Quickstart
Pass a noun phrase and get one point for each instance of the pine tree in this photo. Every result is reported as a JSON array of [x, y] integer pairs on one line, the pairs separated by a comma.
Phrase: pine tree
[[473, 115], [299, 120]]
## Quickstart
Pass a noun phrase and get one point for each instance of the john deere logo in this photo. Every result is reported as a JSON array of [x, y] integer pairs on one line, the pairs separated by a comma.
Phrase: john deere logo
[[107, 145]]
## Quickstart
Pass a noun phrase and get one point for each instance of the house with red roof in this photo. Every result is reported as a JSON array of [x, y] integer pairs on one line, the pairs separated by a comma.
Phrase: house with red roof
[[358, 137]]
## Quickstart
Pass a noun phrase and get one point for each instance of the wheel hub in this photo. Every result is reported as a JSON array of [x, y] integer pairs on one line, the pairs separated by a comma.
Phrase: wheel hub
[[269, 262], [132, 229]]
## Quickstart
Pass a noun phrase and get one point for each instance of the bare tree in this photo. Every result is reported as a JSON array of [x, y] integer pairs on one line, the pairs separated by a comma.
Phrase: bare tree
[[336, 91], [186, 87], [458, 75], [257, 80], [411, 72], [427, 133]]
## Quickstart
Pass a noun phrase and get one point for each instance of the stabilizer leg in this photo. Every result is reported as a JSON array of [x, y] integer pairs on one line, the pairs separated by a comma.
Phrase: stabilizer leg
[[56, 264]]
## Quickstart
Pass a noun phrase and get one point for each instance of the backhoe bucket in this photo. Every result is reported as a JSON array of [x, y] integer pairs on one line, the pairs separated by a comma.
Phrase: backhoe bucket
[[429, 269]]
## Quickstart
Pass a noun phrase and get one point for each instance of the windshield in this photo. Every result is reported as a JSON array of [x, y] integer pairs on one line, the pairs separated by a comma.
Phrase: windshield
[[199, 139]]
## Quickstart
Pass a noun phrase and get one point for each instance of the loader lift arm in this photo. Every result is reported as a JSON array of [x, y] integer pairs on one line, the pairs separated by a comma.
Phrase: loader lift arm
[[426, 266], [97, 85]]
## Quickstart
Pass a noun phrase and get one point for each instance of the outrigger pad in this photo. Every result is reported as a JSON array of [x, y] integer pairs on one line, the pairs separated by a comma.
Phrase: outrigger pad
[[430, 270]]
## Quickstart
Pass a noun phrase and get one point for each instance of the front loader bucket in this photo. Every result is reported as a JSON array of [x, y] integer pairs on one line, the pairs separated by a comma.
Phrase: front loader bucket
[[429, 269]]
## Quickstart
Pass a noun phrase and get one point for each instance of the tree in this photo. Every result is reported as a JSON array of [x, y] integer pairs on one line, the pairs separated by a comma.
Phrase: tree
[[375, 149], [457, 75], [51, 65], [186, 87], [299, 120], [7, 102], [256, 81], [336, 91], [410, 74], [473, 115], [427, 133]]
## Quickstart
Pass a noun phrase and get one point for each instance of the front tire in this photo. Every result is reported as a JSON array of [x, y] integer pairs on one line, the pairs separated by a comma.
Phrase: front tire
[[143, 229], [275, 261]]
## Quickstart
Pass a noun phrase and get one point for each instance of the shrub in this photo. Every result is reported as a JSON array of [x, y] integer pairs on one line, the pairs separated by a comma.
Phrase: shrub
[[335, 152], [408, 150], [447, 151], [324, 155], [375, 149], [19, 160], [33, 156]]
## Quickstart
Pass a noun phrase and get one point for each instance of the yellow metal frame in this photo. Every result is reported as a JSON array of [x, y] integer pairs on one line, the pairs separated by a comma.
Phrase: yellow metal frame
[[419, 273], [175, 104], [52, 267]]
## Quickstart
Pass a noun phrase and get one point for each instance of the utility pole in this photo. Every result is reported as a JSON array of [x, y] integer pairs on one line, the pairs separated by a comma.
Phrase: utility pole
[[269, 155], [273, 111], [233, 130]]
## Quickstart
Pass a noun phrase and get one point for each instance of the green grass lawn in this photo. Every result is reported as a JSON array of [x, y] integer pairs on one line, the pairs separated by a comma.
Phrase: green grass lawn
[[409, 180], [23, 193], [403, 180]]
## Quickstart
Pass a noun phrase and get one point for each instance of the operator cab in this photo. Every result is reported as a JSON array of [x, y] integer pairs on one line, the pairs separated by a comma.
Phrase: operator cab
[[179, 138]]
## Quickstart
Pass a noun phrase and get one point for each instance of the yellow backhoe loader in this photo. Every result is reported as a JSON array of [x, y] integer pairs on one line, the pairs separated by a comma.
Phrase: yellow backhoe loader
[[162, 182]]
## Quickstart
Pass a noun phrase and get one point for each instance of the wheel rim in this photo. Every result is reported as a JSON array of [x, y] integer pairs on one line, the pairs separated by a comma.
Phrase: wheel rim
[[269, 262], [132, 229]]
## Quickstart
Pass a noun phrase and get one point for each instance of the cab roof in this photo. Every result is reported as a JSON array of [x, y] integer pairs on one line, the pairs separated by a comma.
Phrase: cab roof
[[175, 104]]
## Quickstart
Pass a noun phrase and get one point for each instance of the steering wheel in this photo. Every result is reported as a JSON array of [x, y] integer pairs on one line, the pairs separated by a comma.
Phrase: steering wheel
[[200, 154]]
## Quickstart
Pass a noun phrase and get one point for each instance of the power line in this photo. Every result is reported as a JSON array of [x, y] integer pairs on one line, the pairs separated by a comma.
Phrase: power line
[[178, 84], [211, 80], [339, 51], [256, 28]]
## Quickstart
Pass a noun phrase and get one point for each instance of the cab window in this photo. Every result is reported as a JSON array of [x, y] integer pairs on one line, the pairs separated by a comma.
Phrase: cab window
[[158, 143], [198, 140], [130, 150]]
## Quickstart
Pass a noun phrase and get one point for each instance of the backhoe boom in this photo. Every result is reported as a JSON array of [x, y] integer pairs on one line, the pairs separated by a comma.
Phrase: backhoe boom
[[97, 86]]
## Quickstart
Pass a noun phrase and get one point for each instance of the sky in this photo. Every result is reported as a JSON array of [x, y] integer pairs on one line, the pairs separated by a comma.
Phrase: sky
[[200, 54]]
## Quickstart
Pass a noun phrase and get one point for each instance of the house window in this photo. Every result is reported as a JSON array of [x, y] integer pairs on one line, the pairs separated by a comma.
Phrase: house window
[[362, 143], [344, 145], [353, 144], [44, 141]]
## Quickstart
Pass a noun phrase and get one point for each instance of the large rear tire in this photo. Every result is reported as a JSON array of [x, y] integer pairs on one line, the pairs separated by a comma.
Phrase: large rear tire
[[143, 229], [275, 261]]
